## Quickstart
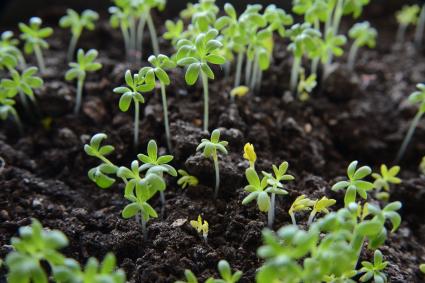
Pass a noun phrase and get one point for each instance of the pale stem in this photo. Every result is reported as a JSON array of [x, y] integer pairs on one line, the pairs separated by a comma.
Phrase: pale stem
[[315, 65], [311, 218], [39, 57], [136, 124], [239, 69], [409, 135], [152, 31], [22, 61], [352, 56], [24, 100], [254, 73], [259, 80], [132, 34], [226, 68], [162, 197], [17, 120], [205, 86], [337, 16], [420, 28], [217, 174], [248, 69], [79, 95], [165, 109], [144, 230], [270, 214], [400, 33], [294, 222], [140, 30], [126, 36], [294, 74], [71, 48], [205, 236]]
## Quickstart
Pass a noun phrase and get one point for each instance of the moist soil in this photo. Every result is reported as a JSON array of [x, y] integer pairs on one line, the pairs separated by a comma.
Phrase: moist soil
[[359, 115]]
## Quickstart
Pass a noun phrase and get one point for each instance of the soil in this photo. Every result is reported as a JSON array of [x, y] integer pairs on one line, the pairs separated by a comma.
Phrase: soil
[[361, 115]]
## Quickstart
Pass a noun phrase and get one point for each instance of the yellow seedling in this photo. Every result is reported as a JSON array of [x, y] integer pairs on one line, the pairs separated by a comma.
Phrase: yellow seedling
[[362, 212], [249, 154], [239, 91], [383, 181], [200, 226], [301, 203], [186, 179], [320, 206]]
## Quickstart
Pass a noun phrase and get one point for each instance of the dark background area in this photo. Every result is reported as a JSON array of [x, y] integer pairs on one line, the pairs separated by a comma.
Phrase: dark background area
[[13, 11]]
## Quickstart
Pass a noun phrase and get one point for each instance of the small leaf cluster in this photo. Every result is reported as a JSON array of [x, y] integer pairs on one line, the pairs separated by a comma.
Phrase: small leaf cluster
[[186, 179], [10, 55], [36, 246], [85, 63], [224, 270], [25, 82], [374, 270], [385, 179], [77, 23], [34, 35], [408, 15], [418, 97], [201, 226], [132, 92], [363, 35], [211, 147]]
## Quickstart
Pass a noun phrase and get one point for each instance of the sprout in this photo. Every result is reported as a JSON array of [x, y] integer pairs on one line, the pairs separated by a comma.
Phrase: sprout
[[306, 85], [210, 149], [174, 31], [78, 70], [238, 91], [363, 35], [408, 15], [224, 270], [203, 14], [133, 92], [301, 203], [419, 34], [34, 37], [304, 40], [332, 47], [320, 206], [190, 277], [186, 179], [197, 57], [22, 84], [119, 18], [314, 11], [157, 164], [201, 227], [374, 270], [383, 180], [7, 108], [417, 97], [77, 23], [157, 73], [249, 154], [355, 183], [10, 54], [257, 190]]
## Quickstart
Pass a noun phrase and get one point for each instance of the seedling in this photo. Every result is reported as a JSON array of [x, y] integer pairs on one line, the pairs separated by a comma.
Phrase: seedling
[[157, 164], [314, 11], [7, 109], [186, 179], [203, 14], [363, 35], [374, 270], [197, 56], [238, 91], [304, 40], [257, 190], [36, 248], [408, 15], [119, 18], [201, 227], [320, 206], [77, 23], [249, 154], [419, 34], [101, 175], [332, 46], [22, 84], [301, 203], [78, 70], [383, 181], [133, 93], [174, 31], [34, 36], [225, 273], [155, 73], [355, 183], [306, 85], [10, 55], [210, 149], [417, 97]]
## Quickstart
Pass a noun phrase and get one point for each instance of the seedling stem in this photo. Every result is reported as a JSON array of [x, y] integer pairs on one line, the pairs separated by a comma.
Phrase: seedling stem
[[79, 95], [72, 46], [239, 69], [217, 174], [40, 60], [152, 31], [205, 86], [420, 28], [165, 109], [270, 213], [409, 135]]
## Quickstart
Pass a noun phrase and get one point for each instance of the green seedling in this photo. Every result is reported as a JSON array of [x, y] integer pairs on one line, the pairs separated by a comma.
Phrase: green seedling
[[408, 15], [120, 19], [301, 203], [7, 109], [331, 46], [157, 73], [77, 23], [314, 12], [34, 36], [304, 40], [186, 179], [384, 180], [257, 190], [201, 226], [35, 248], [22, 84], [203, 14], [276, 187], [159, 164], [224, 270], [133, 93], [355, 183], [363, 35], [146, 7], [306, 85], [210, 149], [10, 55], [374, 270], [320, 206], [174, 31], [101, 175], [249, 154], [139, 190], [78, 70], [197, 56], [420, 28], [417, 97], [238, 91]]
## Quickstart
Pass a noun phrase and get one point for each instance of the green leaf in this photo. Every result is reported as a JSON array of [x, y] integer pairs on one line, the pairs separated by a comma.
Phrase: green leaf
[[130, 210], [125, 101], [263, 201], [192, 74]]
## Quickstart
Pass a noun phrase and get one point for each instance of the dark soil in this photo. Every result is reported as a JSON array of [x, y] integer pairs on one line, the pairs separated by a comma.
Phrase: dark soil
[[361, 115]]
